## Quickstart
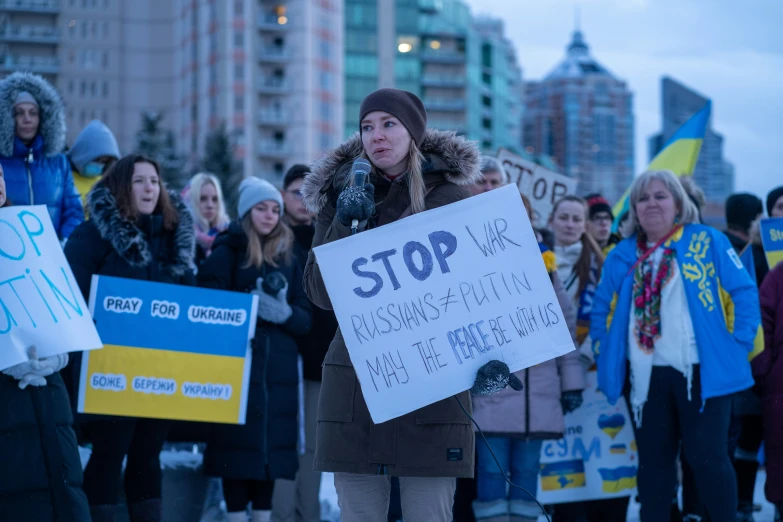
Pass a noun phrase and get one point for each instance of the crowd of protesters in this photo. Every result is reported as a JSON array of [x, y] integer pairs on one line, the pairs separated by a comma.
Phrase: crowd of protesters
[[704, 387]]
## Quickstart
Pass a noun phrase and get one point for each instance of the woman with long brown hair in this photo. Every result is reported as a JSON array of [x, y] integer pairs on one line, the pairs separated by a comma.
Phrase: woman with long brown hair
[[137, 230], [255, 255]]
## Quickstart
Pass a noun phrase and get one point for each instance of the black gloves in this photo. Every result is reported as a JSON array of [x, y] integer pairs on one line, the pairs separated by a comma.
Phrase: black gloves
[[571, 400], [493, 377], [356, 203]]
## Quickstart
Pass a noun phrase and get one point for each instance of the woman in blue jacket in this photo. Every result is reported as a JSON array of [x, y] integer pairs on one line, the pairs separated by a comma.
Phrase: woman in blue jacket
[[32, 138], [677, 313]]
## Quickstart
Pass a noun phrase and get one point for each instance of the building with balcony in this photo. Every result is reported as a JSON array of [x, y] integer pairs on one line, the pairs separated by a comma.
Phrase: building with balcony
[[109, 59], [581, 115], [713, 173], [435, 50], [270, 69]]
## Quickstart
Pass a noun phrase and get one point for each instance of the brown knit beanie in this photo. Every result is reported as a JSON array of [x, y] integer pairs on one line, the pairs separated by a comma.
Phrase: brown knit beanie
[[403, 105]]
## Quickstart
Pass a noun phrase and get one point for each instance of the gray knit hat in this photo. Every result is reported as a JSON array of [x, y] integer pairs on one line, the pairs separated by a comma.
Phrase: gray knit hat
[[25, 97], [253, 191], [403, 105]]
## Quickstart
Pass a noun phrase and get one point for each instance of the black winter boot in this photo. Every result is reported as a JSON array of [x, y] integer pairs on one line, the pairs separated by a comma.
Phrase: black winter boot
[[106, 513], [150, 510]]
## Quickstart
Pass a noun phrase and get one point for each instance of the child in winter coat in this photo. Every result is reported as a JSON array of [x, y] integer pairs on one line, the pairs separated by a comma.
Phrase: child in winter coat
[[255, 255]]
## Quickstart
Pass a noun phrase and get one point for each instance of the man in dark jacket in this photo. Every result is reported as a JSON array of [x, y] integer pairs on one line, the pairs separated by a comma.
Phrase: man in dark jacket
[[742, 210], [298, 501]]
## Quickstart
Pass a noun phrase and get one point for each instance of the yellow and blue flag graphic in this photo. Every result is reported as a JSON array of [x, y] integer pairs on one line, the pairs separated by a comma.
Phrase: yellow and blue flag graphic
[[679, 155], [563, 475], [619, 479], [618, 449], [611, 424]]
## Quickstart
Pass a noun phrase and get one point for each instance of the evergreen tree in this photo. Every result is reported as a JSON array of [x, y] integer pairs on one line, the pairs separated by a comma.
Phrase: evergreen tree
[[159, 144], [219, 160]]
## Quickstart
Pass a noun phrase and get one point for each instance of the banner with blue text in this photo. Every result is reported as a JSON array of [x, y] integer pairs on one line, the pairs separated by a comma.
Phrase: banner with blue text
[[596, 459], [424, 302], [172, 352], [40, 302]]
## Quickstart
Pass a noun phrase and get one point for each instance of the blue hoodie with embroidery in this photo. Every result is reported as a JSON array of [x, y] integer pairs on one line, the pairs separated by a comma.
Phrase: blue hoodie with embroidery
[[722, 299]]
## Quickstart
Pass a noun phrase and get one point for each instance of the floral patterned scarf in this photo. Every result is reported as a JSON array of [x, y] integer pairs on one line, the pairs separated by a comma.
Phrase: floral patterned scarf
[[647, 293]]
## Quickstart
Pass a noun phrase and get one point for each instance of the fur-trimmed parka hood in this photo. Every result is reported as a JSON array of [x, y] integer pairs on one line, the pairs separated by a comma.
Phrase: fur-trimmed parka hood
[[128, 240], [453, 155], [52, 124]]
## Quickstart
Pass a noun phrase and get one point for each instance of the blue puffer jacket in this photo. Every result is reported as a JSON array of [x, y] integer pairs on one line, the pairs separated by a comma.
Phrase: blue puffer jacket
[[46, 180], [722, 299], [38, 174]]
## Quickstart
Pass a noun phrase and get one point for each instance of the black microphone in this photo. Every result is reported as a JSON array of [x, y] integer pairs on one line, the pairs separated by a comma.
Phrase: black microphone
[[360, 170]]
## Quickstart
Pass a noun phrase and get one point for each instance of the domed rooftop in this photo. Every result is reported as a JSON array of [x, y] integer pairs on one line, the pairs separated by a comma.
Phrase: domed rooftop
[[578, 62]]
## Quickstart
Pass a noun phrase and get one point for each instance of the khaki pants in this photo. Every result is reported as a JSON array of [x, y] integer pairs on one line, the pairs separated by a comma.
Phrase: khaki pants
[[365, 498], [298, 500]]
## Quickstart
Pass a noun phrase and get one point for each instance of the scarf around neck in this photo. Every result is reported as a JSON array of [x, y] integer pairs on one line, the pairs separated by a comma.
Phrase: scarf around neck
[[647, 285]]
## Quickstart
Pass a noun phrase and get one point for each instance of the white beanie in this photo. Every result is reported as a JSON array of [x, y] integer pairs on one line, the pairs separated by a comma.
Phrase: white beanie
[[253, 191]]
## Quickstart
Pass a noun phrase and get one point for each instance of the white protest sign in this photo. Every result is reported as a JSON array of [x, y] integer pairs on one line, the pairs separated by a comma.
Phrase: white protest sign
[[40, 302], [596, 459], [424, 302], [542, 186]]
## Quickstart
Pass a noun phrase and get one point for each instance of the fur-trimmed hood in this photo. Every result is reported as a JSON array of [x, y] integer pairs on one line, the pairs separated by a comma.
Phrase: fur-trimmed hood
[[455, 156], [129, 241], [52, 125]]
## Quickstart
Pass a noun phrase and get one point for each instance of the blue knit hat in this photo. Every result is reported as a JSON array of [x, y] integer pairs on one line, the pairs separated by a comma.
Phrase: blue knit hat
[[253, 191]]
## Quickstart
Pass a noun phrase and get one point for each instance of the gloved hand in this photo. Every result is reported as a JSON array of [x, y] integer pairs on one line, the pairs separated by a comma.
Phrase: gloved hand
[[274, 309], [35, 371], [356, 203], [571, 400], [493, 377]]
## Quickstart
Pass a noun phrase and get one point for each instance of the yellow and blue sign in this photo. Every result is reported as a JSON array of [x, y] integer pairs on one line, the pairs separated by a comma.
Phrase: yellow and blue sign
[[772, 240], [618, 479], [170, 352], [563, 474]]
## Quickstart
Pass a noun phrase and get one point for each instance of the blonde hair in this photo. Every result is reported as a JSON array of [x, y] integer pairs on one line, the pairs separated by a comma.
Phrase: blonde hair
[[197, 182], [688, 213], [275, 246], [416, 188]]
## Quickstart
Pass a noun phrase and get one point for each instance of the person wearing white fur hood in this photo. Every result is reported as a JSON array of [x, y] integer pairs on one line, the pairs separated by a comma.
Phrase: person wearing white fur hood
[[32, 139]]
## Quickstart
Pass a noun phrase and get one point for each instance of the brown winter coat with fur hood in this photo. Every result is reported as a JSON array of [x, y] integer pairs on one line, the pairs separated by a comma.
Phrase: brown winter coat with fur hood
[[417, 444]]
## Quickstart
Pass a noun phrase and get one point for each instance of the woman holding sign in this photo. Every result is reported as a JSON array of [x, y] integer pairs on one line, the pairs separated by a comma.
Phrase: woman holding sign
[[413, 169], [41, 473], [136, 230], [255, 255], [677, 313]]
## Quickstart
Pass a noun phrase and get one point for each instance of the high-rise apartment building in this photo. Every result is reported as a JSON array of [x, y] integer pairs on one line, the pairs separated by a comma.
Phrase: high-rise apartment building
[[582, 116], [713, 173], [109, 59], [464, 69], [272, 70], [496, 107]]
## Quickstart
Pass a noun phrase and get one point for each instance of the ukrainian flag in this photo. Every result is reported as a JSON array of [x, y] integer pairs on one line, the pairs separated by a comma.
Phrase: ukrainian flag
[[617, 449], [619, 479], [679, 155], [562, 475]]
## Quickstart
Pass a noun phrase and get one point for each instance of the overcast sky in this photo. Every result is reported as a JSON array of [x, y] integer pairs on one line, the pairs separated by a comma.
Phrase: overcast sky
[[729, 51]]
